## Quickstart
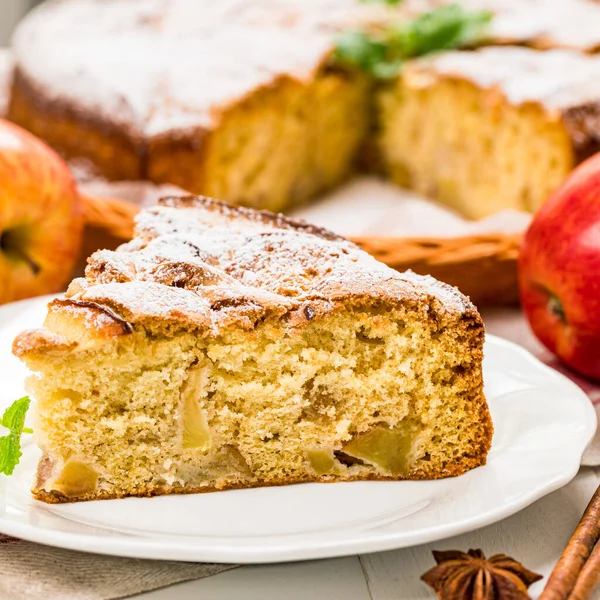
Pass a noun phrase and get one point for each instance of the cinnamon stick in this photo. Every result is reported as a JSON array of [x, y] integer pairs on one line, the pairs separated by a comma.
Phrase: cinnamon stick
[[563, 579], [588, 578]]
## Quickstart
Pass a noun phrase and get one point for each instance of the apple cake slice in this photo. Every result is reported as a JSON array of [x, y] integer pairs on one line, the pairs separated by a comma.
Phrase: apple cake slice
[[225, 348]]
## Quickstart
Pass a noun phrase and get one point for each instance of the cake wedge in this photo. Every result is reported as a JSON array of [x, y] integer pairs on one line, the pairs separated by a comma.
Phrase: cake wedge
[[225, 347]]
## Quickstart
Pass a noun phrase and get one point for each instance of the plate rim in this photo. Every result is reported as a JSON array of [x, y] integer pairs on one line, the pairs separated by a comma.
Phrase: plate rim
[[186, 549]]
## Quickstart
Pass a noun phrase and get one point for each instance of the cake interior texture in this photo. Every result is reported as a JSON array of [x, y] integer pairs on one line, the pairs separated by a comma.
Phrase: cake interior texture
[[366, 393], [470, 147], [356, 382], [279, 147]]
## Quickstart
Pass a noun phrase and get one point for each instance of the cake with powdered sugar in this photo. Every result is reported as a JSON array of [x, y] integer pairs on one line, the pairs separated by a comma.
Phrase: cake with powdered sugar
[[240, 100], [225, 347], [232, 99]]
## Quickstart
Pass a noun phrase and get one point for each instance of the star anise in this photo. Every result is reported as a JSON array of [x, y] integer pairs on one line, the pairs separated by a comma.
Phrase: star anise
[[470, 576]]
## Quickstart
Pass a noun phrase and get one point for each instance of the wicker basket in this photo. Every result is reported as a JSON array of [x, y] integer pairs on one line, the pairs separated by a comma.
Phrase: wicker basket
[[482, 266]]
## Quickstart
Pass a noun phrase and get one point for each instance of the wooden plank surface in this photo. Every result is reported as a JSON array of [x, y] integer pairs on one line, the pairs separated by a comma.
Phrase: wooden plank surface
[[536, 536]]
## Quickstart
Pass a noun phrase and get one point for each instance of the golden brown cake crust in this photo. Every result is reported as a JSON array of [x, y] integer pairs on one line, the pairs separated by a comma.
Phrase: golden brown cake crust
[[203, 265], [116, 151]]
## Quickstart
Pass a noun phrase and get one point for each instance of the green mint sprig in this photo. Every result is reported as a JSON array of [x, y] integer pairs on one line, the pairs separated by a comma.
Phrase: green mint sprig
[[10, 444], [382, 51]]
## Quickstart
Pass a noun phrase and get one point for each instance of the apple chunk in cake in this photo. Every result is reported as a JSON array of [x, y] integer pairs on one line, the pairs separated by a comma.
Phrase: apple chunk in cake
[[225, 347]]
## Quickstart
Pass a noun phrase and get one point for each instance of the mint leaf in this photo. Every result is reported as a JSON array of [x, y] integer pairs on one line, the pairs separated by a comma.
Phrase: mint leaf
[[447, 27], [361, 50], [10, 444], [382, 50]]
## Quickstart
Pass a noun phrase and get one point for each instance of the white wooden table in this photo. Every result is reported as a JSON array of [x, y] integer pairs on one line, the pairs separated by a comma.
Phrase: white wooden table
[[536, 536]]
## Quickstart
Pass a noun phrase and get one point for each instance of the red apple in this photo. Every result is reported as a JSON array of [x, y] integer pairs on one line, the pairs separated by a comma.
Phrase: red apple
[[40, 217], [559, 271]]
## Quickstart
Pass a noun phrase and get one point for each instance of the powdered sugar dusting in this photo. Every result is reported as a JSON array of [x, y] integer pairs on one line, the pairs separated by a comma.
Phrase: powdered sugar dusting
[[558, 79], [209, 265], [544, 23], [154, 66], [160, 66]]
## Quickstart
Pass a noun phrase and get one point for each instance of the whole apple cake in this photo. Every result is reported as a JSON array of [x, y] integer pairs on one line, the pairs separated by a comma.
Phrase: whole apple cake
[[225, 347], [240, 100]]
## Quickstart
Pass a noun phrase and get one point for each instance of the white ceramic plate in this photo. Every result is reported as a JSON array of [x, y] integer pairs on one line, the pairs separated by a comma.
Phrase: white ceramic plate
[[543, 423]]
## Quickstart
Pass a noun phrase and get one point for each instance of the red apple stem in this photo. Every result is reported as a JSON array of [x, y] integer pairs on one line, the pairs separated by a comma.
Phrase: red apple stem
[[556, 308], [7, 245]]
